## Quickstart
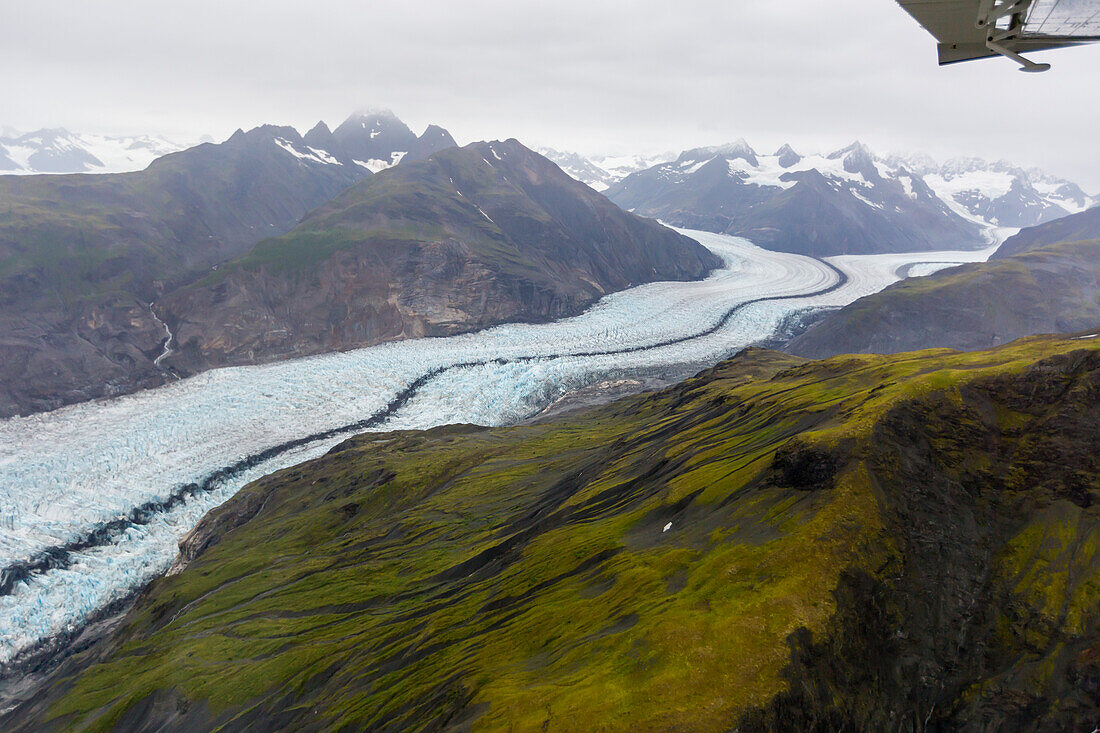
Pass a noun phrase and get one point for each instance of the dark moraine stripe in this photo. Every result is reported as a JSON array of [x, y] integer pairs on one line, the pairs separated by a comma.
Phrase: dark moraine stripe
[[60, 556]]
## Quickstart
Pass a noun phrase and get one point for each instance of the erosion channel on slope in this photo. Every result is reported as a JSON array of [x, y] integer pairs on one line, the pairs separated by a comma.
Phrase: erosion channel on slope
[[94, 497]]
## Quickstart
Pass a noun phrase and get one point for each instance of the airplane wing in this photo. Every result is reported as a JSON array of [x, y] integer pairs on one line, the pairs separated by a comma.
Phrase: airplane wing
[[975, 29]]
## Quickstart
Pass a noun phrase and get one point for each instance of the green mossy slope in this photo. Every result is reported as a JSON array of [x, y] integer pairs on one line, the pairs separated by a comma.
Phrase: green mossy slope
[[867, 542]]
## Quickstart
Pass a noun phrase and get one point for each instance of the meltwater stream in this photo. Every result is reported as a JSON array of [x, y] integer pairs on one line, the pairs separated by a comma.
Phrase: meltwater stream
[[94, 497]]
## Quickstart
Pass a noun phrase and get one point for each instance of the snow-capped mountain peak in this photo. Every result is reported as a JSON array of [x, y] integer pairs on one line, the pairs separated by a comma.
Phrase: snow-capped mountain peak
[[840, 202], [56, 150], [740, 149], [1002, 193], [368, 141], [857, 158], [601, 171]]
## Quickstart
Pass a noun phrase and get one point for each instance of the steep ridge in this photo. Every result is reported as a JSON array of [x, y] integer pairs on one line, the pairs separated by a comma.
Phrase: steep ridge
[[1043, 280], [862, 543], [1076, 228], [83, 257], [469, 238], [842, 203]]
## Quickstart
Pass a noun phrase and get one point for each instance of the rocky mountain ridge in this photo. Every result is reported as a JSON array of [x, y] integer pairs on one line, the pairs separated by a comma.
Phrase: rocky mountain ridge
[[467, 238]]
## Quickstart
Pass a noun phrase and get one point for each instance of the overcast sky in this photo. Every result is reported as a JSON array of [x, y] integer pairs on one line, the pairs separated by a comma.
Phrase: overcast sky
[[588, 75]]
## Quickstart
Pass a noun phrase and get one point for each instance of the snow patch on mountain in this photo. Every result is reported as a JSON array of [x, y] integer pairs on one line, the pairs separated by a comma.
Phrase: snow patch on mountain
[[312, 154], [998, 192], [769, 170], [974, 190], [602, 171]]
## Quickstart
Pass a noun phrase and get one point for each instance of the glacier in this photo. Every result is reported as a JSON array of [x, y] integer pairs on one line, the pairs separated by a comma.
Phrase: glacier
[[94, 497]]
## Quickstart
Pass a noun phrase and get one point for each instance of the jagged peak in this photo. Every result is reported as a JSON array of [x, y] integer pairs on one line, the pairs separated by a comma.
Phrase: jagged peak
[[858, 158], [283, 131], [435, 132], [856, 148], [919, 163], [374, 122], [263, 132], [738, 149], [319, 129], [787, 156], [500, 148], [46, 133]]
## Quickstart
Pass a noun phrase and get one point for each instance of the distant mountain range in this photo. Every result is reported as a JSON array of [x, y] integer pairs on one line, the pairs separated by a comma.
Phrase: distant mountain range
[[859, 202], [60, 151], [602, 171], [998, 193], [843, 202], [372, 140]]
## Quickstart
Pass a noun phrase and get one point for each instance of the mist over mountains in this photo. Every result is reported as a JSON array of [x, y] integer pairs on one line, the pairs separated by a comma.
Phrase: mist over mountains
[[377, 139]]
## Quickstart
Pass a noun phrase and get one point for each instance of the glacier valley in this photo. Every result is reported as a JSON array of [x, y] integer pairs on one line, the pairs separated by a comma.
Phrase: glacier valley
[[94, 497]]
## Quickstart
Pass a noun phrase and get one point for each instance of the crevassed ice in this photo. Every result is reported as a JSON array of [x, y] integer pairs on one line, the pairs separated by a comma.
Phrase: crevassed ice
[[65, 471]]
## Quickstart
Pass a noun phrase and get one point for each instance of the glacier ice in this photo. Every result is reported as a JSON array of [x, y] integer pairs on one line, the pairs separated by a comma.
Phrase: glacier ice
[[67, 472]]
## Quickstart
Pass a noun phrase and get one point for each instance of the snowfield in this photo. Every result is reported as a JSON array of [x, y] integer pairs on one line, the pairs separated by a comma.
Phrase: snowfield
[[71, 541]]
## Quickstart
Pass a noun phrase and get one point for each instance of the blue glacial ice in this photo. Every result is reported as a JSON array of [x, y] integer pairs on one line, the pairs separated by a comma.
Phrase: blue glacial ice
[[66, 472]]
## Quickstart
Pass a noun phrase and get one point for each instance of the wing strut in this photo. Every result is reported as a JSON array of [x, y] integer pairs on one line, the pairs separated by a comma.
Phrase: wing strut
[[978, 29], [989, 12]]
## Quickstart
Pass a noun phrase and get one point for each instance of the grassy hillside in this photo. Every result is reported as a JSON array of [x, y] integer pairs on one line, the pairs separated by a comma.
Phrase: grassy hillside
[[866, 543], [1049, 289]]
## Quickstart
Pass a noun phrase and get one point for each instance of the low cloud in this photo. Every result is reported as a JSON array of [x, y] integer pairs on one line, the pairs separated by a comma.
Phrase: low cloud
[[590, 76]]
